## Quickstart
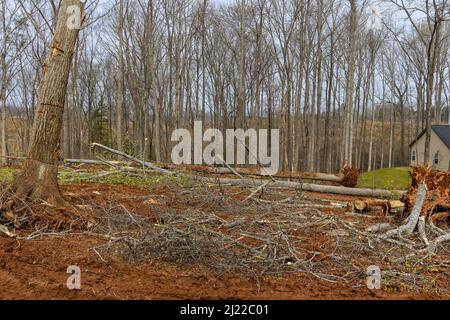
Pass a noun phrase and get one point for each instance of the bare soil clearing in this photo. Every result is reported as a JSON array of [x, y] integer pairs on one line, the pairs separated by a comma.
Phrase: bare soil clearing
[[327, 261]]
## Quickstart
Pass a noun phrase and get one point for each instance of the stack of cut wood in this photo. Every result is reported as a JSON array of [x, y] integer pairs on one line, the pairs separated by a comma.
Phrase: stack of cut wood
[[437, 203]]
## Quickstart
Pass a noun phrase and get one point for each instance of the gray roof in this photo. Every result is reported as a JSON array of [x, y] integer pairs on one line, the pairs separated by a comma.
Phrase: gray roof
[[443, 132]]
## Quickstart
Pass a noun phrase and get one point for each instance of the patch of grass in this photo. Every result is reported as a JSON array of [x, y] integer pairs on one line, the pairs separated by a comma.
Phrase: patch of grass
[[68, 177], [117, 178], [390, 179], [6, 175]]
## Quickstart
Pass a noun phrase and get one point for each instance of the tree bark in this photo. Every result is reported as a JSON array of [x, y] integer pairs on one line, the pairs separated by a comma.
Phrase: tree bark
[[120, 109], [38, 179], [3, 83], [375, 193], [350, 85]]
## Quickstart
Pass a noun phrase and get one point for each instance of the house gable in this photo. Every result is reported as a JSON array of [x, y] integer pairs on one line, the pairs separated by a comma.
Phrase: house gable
[[439, 150]]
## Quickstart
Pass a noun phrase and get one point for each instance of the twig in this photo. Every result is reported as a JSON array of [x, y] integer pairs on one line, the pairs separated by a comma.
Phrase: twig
[[256, 191]]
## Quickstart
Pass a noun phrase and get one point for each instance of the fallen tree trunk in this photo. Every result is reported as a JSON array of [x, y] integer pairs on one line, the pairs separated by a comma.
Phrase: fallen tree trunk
[[75, 161], [93, 162], [374, 193], [256, 172], [348, 178]]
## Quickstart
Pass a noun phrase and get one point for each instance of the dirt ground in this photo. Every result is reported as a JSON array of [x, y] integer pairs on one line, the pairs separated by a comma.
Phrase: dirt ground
[[36, 269]]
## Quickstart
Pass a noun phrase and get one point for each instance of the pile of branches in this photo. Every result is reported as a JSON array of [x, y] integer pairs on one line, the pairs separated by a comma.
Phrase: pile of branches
[[436, 207], [255, 237]]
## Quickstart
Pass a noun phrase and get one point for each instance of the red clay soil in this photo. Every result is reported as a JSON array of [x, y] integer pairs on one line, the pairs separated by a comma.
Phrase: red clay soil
[[37, 269]]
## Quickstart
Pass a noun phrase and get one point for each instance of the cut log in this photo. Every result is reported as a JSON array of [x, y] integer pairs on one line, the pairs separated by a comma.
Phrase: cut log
[[375, 193], [391, 206]]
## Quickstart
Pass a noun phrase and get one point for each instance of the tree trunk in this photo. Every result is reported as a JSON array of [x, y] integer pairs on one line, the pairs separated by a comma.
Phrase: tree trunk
[[3, 84], [120, 80], [38, 180], [373, 193], [348, 126]]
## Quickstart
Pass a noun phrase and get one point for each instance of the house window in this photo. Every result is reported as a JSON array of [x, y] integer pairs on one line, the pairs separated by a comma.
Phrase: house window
[[413, 155], [436, 158]]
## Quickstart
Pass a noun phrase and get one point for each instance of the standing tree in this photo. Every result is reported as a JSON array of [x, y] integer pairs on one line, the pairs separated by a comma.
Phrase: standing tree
[[38, 180], [348, 123], [431, 34]]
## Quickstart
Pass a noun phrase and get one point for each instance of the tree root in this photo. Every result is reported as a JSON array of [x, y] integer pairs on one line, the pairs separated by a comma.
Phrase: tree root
[[432, 247], [38, 182], [413, 219], [422, 230]]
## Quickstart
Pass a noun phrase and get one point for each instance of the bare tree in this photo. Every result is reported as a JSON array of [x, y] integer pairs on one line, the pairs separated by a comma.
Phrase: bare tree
[[38, 179]]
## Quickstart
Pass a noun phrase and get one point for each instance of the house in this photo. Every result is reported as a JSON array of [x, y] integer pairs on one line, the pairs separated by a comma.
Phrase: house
[[439, 148]]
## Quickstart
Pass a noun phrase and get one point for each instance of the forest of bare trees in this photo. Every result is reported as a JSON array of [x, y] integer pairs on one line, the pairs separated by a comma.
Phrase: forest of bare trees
[[345, 81]]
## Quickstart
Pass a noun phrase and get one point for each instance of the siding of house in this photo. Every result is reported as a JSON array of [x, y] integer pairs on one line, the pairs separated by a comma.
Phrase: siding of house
[[436, 145]]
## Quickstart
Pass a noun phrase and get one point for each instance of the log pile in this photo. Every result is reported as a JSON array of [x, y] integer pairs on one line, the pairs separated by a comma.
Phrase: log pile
[[437, 204]]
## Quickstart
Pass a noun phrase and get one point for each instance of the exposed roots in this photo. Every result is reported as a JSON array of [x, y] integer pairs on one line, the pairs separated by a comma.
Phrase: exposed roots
[[351, 176], [38, 182], [417, 220], [431, 249], [437, 204], [34, 200], [422, 230], [413, 219]]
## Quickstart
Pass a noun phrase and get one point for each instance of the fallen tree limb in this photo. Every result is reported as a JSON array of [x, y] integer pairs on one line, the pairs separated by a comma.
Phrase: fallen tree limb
[[261, 187], [75, 161], [413, 219], [380, 227], [376, 193], [4, 230], [229, 167], [93, 162], [127, 156]]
